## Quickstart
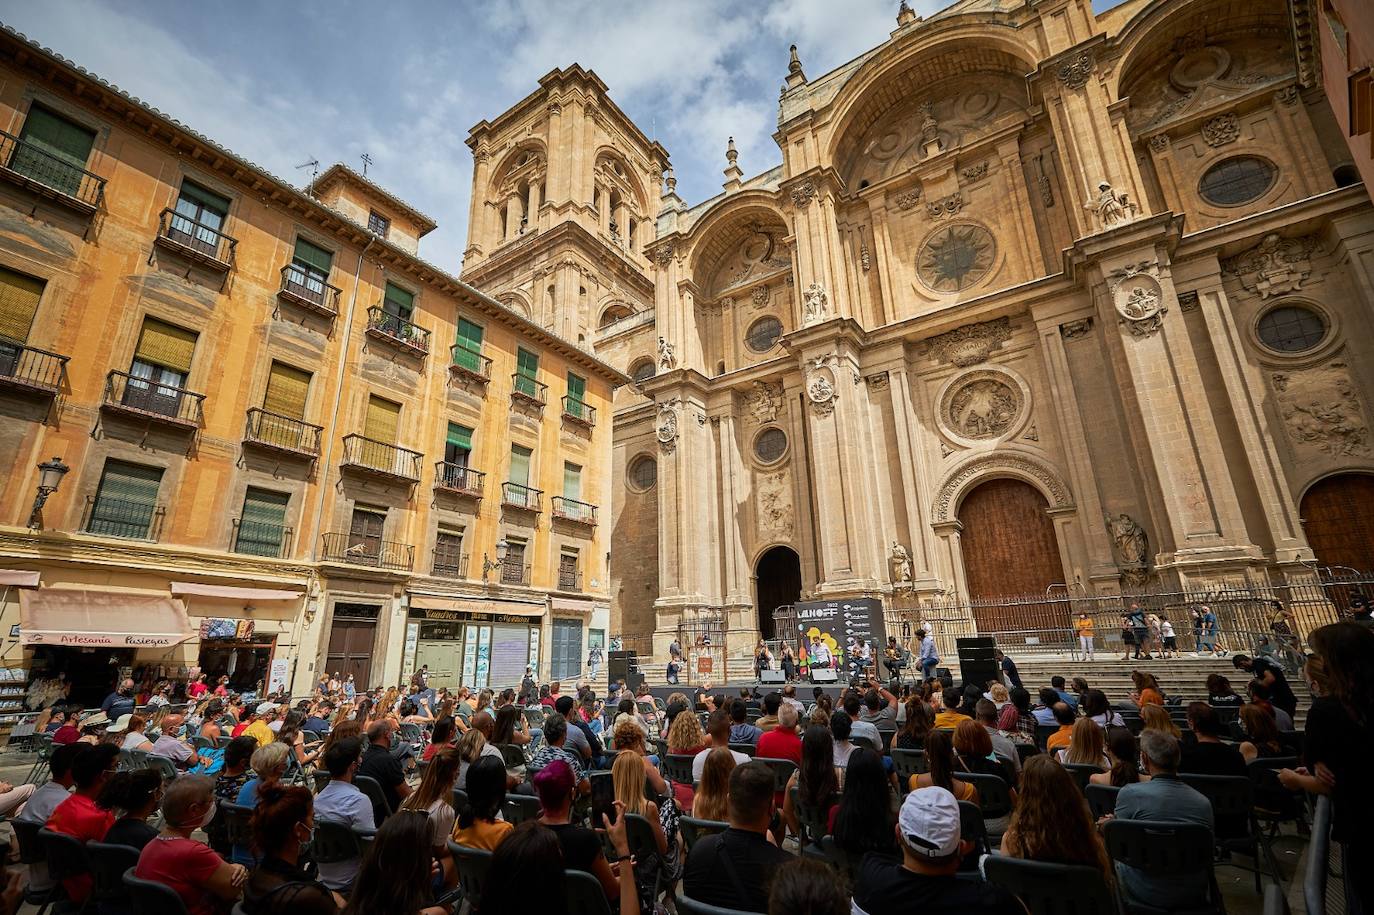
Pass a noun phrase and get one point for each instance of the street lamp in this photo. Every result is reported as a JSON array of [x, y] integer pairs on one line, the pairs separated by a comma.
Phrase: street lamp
[[502, 548], [50, 474]]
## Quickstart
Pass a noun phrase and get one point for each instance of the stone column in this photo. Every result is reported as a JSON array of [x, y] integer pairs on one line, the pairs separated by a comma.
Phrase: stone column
[[916, 478], [603, 216], [734, 491], [556, 181], [687, 514], [532, 205]]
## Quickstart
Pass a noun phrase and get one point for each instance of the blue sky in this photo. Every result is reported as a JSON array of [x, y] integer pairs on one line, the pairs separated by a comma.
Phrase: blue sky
[[281, 83]]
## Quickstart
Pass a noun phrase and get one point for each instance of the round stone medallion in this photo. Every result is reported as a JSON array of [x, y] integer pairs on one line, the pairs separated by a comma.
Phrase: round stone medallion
[[983, 405], [955, 257]]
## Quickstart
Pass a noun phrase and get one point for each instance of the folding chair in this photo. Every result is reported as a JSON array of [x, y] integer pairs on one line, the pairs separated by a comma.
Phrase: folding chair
[[473, 865], [693, 829], [460, 800], [782, 771], [677, 767], [1172, 851], [335, 843], [1051, 889], [1237, 827], [1101, 799], [688, 906], [814, 821], [748, 749], [1081, 773], [908, 763], [166, 767], [584, 894], [32, 852], [994, 795], [152, 898], [39, 773], [381, 807], [67, 857], [972, 829], [520, 807], [108, 866]]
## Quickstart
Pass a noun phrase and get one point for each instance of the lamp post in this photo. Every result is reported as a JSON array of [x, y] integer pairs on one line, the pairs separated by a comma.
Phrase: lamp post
[[502, 548], [50, 474]]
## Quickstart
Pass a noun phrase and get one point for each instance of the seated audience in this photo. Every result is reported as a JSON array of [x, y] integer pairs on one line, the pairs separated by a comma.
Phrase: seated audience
[[1220, 694], [804, 886], [950, 716], [630, 781], [1070, 699], [1064, 717], [79, 815], [629, 741], [718, 730], [1096, 708], [554, 784], [134, 738], [555, 737], [918, 724], [46, 799], [817, 780], [480, 825], [531, 858], [742, 848], [1124, 754], [1156, 718], [396, 872], [235, 772], [434, 796], [841, 725], [1044, 710], [928, 833], [712, 792], [137, 795], [863, 822], [441, 737], [1147, 691], [283, 824], [269, 765], [1016, 718], [1260, 695], [1087, 746], [940, 769], [205, 882], [781, 741], [1206, 754], [381, 765], [1263, 738], [985, 713], [341, 802], [1052, 822]]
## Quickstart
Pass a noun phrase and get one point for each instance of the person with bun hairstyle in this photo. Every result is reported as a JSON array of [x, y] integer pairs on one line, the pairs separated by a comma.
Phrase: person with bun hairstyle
[[136, 795], [282, 826]]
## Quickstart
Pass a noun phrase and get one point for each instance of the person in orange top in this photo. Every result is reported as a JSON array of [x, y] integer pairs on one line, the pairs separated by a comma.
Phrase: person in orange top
[[1086, 634], [950, 716], [478, 826], [1147, 691], [1060, 738], [79, 815]]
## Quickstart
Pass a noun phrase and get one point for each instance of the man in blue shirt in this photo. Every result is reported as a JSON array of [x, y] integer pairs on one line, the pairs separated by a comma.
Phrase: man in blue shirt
[[341, 802], [1163, 797], [741, 731], [929, 657], [1044, 712], [318, 720], [120, 702], [1068, 698], [1009, 670]]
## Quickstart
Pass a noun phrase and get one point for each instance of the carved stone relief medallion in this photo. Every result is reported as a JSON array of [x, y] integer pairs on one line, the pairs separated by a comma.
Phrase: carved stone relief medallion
[[1138, 299], [982, 405], [1321, 410]]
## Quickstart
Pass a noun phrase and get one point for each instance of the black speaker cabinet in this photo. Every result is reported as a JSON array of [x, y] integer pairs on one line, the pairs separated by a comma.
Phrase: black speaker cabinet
[[976, 663]]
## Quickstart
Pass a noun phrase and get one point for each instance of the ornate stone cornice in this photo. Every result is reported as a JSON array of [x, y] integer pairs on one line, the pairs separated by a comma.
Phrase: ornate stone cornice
[[998, 464], [55, 546], [968, 345]]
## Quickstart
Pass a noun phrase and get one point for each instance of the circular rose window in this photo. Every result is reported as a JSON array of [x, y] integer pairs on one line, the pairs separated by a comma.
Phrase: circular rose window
[[770, 445], [955, 257], [1291, 329]]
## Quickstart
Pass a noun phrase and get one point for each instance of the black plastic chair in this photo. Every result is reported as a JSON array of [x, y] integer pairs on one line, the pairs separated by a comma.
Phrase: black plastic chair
[[693, 829], [1051, 889], [1042, 734], [1237, 827], [688, 906], [748, 749], [908, 763], [677, 767], [1101, 799], [1165, 850], [511, 755], [109, 863], [335, 843], [782, 771], [39, 773], [460, 800], [33, 852], [473, 865], [520, 807], [994, 795], [888, 735], [1026, 751], [153, 898], [381, 807], [236, 820], [1275, 804], [1081, 773], [639, 833], [814, 822], [584, 894], [66, 855]]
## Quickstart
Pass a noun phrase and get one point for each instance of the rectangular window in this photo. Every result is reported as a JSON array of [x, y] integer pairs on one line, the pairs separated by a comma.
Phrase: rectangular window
[[126, 501], [448, 555], [378, 224], [577, 394], [468, 353], [287, 390], [262, 525], [398, 302], [520, 465], [458, 445], [572, 481], [526, 371], [310, 266], [54, 151], [383, 420], [567, 571], [513, 568], [162, 360], [199, 218], [166, 346], [19, 295], [365, 533]]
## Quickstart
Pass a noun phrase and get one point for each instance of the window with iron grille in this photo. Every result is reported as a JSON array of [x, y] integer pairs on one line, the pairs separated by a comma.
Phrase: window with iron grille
[[642, 371], [262, 525], [126, 501], [1237, 180], [1291, 329], [643, 473], [770, 445], [513, 567], [54, 150], [378, 224]]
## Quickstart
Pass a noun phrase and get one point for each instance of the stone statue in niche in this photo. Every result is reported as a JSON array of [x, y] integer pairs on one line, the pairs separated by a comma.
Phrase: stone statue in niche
[[814, 304], [1132, 546], [901, 564], [666, 360], [1111, 208]]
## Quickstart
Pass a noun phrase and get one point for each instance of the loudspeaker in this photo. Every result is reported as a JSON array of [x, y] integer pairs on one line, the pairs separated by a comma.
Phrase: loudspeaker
[[632, 681], [621, 664], [825, 675], [976, 663], [771, 676]]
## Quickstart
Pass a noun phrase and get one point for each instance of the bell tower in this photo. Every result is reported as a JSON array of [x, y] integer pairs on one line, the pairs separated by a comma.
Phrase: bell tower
[[565, 193]]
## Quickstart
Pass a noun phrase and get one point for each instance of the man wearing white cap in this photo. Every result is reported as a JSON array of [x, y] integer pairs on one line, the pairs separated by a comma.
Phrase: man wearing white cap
[[928, 834]]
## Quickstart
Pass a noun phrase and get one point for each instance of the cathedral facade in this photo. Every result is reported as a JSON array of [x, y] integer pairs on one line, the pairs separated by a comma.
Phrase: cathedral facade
[[1037, 299]]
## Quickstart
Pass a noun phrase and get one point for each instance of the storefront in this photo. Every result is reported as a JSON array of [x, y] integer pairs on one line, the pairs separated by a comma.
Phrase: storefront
[[472, 643]]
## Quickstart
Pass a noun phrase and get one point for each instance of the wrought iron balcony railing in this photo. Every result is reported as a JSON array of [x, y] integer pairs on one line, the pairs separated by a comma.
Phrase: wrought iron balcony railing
[[28, 164], [514, 572], [206, 244], [524, 497], [569, 580], [125, 393], [257, 538], [579, 411], [526, 388], [458, 478], [447, 565], [31, 369], [282, 433], [369, 551], [381, 458], [309, 290], [573, 510], [108, 517], [469, 364], [397, 331]]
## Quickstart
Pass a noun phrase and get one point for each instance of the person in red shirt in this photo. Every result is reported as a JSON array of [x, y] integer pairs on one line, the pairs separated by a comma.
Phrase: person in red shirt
[[205, 882], [781, 742], [70, 732], [197, 688], [79, 815]]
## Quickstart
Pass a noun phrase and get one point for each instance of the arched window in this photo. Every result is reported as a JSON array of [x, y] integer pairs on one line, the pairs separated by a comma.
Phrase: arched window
[[616, 311], [642, 371]]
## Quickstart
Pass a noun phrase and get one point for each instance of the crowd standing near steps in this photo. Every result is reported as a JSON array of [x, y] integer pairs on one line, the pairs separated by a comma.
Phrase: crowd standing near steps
[[388, 760]]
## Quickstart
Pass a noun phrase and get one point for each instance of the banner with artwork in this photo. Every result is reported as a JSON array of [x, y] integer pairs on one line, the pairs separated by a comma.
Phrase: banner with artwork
[[838, 625]]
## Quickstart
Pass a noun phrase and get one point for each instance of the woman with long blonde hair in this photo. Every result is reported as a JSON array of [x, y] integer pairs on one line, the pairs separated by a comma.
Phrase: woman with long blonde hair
[[471, 747], [1156, 718], [710, 800], [1052, 822], [1087, 745], [629, 741]]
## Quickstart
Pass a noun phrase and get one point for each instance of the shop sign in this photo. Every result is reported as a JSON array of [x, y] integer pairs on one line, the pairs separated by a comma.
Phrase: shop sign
[[276, 677], [240, 630], [469, 616]]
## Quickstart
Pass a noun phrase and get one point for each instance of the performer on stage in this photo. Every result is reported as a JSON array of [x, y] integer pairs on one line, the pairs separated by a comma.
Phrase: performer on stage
[[894, 658], [819, 653], [930, 657], [763, 659], [789, 662], [860, 656], [1086, 634]]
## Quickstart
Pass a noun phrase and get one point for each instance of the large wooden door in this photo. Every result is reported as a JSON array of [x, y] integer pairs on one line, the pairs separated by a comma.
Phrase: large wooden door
[[1338, 516], [350, 649], [1009, 547]]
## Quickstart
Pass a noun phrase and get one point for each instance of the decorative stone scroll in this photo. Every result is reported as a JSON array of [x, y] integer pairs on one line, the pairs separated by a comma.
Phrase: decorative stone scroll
[[1276, 265], [968, 345], [1187, 301], [803, 194], [907, 199], [994, 464], [945, 206], [664, 254], [974, 172], [1222, 129], [1073, 330], [1075, 72]]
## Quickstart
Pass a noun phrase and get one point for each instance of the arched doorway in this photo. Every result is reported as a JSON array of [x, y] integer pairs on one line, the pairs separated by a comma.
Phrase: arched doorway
[[1338, 517], [777, 581], [1009, 547]]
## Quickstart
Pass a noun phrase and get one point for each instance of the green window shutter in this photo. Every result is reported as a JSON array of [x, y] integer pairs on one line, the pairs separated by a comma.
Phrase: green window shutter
[[58, 136], [520, 465], [309, 255], [166, 345], [572, 482], [262, 526], [206, 200], [469, 351], [287, 390], [577, 387], [459, 436], [398, 301], [19, 295], [383, 420], [527, 363], [125, 501]]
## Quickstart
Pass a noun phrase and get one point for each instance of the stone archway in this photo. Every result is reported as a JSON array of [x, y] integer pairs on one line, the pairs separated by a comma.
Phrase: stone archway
[[777, 581], [1338, 518]]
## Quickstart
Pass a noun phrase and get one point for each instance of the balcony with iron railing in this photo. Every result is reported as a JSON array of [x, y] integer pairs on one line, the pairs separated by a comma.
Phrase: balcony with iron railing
[[572, 510], [107, 517], [469, 365], [569, 580], [381, 459], [525, 388], [458, 478], [204, 244], [281, 433], [257, 538], [153, 400], [309, 291], [447, 565], [579, 411], [397, 331], [368, 551], [30, 369], [42, 172], [526, 498], [514, 572]]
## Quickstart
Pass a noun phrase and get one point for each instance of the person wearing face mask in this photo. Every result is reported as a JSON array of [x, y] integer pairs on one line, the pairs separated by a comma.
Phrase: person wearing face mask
[[198, 875], [283, 825]]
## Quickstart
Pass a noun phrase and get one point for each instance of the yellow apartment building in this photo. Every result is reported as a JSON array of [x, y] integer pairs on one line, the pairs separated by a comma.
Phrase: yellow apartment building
[[293, 446]]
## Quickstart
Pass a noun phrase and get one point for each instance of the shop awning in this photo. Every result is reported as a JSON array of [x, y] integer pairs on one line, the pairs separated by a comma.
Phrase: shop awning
[[569, 605], [229, 592], [101, 619], [14, 578], [468, 605]]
